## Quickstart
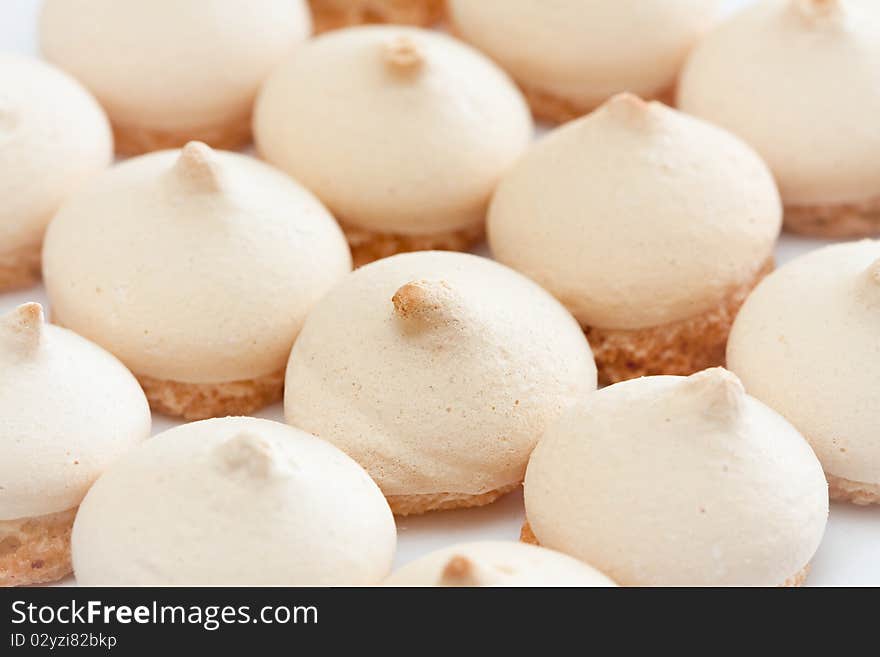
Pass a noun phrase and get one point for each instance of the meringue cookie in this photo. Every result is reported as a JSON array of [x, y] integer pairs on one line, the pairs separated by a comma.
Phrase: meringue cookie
[[53, 137], [497, 563], [798, 80], [806, 344], [571, 55], [649, 225], [333, 14], [404, 136], [168, 72], [68, 409], [437, 372], [235, 501], [692, 482], [196, 268]]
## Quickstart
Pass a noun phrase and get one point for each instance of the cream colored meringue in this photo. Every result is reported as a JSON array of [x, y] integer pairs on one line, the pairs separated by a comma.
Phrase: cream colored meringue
[[497, 563], [53, 136], [678, 481], [196, 266], [806, 343], [585, 51], [68, 409], [636, 215], [797, 79], [404, 130], [234, 501], [170, 65], [437, 372]]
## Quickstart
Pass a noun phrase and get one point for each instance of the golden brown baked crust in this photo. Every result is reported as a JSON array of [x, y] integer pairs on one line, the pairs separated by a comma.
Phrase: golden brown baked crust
[[854, 492], [847, 220], [682, 347], [200, 401], [798, 579], [367, 246], [35, 550], [334, 14], [551, 108], [20, 267], [137, 140], [526, 535], [408, 505]]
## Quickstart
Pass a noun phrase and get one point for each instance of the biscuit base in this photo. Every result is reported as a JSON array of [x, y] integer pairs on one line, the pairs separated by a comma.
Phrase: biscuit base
[[367, 246], [681, 348], [335, 14], [137, 140], [35, 550], [409, 505], [552, 108], [200, 401], [797, 580], [528, 536], [20, 267], [841, 220], [854, 492]]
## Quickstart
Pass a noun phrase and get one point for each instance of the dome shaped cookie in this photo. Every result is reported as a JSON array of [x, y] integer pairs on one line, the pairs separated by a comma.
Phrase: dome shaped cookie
[[404, 136], [692, 482], [797, 79], [438, 373], [196, 268], [333, 14], [68, 409], [234, 502], [649, 225], [497, 563], [169, 72], [569, 56], [53, 137], [805, 343]]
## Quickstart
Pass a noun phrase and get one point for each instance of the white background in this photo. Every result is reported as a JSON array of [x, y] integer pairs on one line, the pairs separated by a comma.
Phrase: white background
[[848, 555]]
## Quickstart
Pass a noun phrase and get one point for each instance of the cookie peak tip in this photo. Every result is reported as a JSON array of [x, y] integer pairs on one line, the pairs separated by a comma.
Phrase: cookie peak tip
[[459, 571], [248, 454], [197, 167], [720, 392], [630, 109], [24, 325], [402, 55], [430, 302]]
